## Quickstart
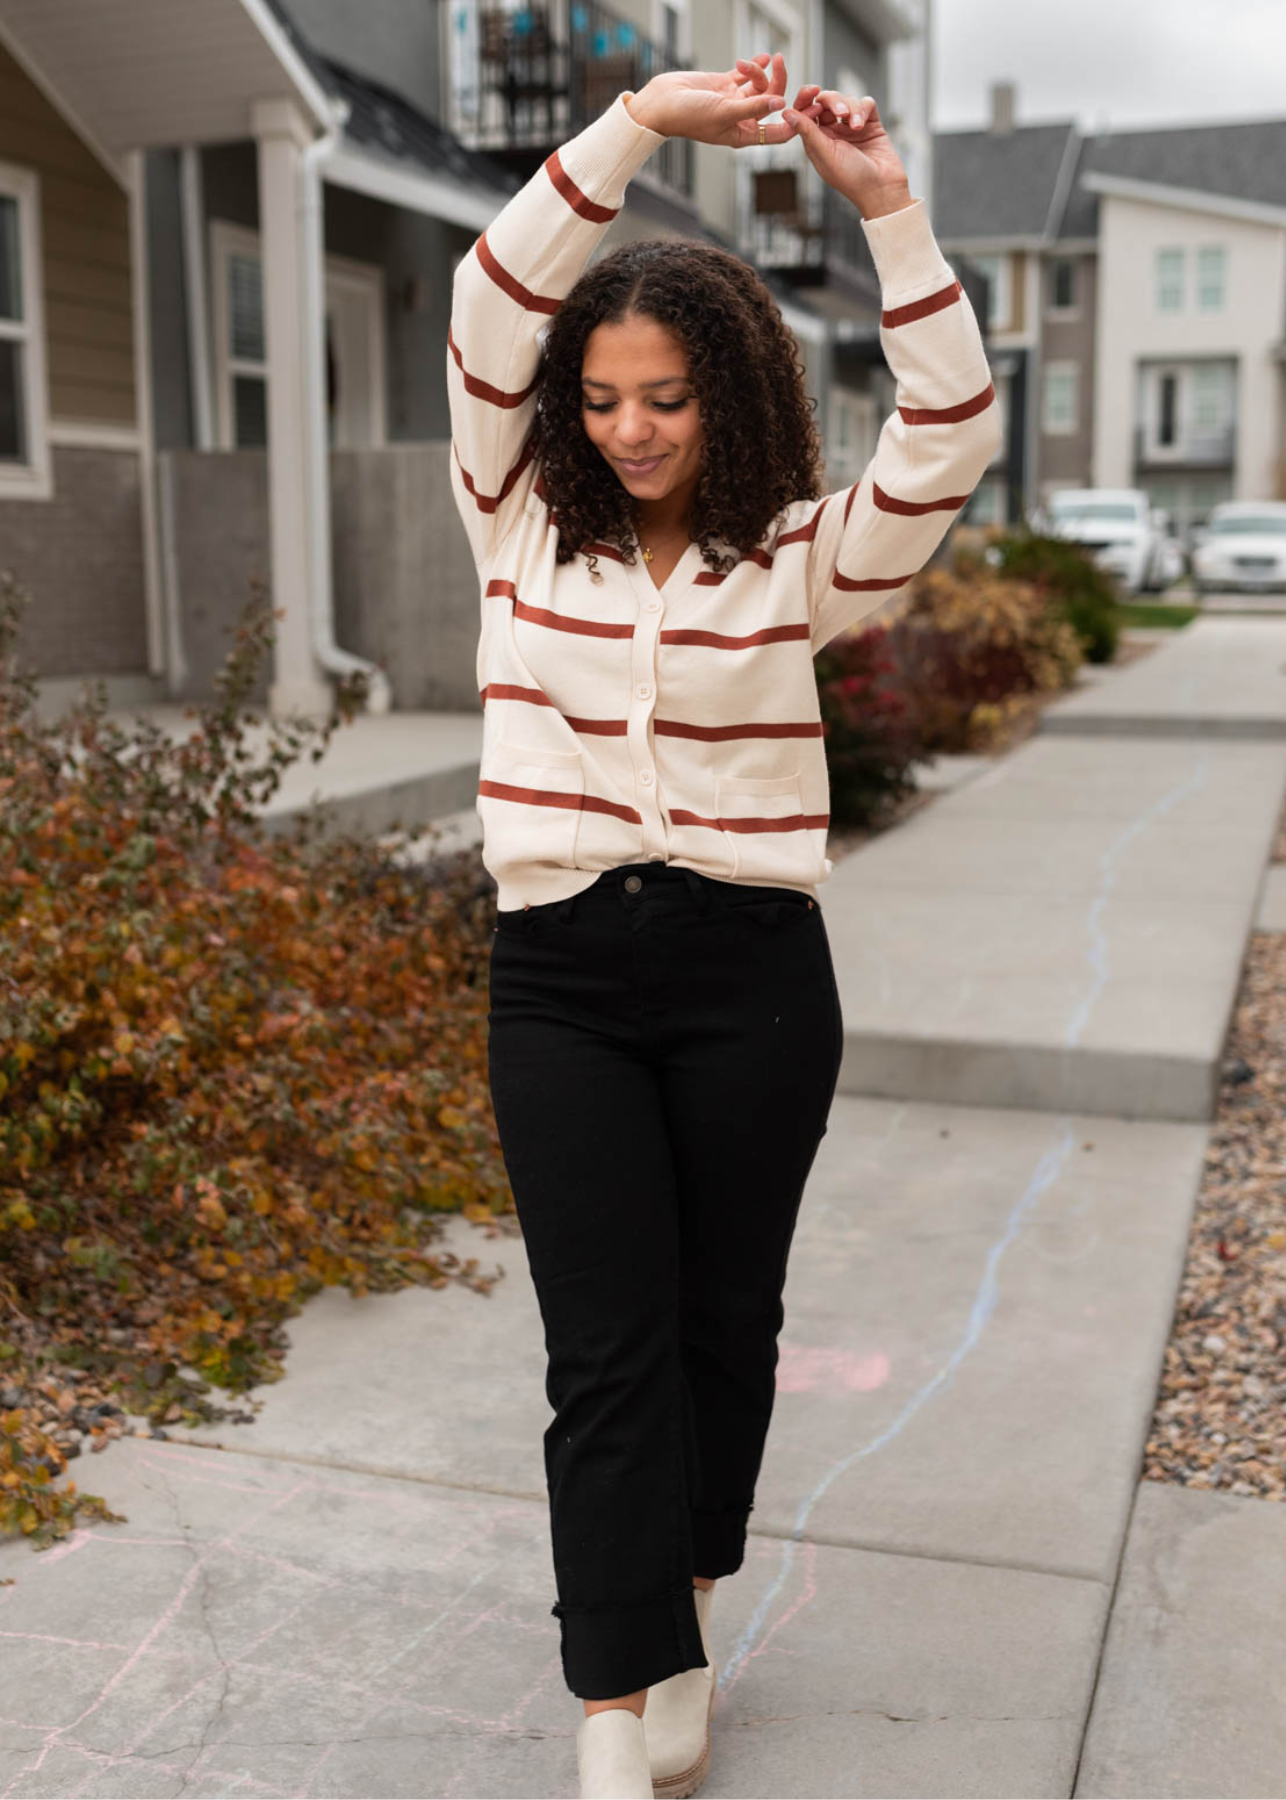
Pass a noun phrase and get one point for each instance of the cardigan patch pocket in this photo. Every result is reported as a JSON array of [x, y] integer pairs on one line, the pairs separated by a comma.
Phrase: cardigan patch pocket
[[761, 818], [534, 796]]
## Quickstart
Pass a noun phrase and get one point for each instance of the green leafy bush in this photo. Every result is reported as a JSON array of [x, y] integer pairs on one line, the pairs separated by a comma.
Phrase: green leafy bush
[[1072, 582], [234, 1068], [870, 736], [969, 651]]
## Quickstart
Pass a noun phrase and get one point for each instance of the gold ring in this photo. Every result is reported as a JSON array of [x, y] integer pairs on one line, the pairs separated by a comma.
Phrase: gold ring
[[763, 132]]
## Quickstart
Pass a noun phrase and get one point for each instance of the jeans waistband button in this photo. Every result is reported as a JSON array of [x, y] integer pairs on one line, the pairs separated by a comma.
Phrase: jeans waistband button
[[633, 883]]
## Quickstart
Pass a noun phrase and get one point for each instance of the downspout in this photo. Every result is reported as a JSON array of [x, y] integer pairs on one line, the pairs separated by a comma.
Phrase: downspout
[[321, 605]]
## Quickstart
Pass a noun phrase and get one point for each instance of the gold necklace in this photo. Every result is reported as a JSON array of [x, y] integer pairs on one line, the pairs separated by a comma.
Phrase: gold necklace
[[647, 554]]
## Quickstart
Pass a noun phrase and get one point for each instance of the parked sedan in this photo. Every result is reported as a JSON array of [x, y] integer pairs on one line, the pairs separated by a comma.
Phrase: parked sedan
[[1243, 546], [1116, 525]]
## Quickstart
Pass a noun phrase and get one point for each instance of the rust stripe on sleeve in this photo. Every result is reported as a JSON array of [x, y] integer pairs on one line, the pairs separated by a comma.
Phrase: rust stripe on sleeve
[[483, 390], [949, 415], [920, 309], [488, 503], [509, 285], [913, 509], [578, 201]]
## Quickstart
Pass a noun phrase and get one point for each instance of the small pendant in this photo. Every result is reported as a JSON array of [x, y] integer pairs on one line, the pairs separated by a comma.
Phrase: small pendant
[[647, 556]]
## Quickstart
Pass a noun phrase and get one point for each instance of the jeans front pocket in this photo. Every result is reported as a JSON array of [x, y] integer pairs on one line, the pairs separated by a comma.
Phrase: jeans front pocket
[[529, 803]]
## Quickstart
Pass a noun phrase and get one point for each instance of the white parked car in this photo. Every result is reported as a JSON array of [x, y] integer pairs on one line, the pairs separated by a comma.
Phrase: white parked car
[[1117, 526], [1243, 545]]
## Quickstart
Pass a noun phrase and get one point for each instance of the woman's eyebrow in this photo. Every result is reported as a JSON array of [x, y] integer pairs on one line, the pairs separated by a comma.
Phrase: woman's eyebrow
[[665, 380]]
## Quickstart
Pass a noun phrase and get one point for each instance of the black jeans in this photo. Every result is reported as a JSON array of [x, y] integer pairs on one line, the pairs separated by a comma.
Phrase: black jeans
[[664, 1050]]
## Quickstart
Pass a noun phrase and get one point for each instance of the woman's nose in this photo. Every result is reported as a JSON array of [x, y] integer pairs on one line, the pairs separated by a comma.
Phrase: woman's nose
[[633, 427]]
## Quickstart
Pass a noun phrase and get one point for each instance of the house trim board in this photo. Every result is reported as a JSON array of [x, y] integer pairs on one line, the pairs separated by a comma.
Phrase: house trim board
[[1157, 193], [114, 166]]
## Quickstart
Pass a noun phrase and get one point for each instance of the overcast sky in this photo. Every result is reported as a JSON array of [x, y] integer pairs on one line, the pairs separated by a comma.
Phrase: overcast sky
[[1121, 62]]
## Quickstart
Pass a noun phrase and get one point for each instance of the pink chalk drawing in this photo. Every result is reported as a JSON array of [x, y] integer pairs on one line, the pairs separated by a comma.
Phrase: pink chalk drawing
[[810, 1368]]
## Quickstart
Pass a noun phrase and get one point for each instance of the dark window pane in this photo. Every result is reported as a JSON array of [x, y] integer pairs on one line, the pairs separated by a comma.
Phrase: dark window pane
[[13, 424], [1064, 283], [10, 265], [1165, 430], [245, 306], [250, 406]]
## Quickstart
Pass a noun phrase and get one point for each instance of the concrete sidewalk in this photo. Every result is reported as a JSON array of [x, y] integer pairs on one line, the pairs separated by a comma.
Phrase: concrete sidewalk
[[351, 1595]]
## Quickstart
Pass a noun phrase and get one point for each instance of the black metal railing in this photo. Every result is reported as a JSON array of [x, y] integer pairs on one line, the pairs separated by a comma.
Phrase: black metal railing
[[526, 78], [801, 228]]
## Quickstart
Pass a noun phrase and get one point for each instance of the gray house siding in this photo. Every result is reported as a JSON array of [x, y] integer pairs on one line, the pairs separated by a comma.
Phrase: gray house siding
[[1064, 459], [844, 45], [409, 247]]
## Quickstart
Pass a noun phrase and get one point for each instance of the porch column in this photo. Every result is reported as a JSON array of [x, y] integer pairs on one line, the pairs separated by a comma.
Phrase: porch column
[[281, 132]]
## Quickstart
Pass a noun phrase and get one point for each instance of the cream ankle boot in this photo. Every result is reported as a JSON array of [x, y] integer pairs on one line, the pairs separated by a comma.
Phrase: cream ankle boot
[[612, 1753], [676, 1719]]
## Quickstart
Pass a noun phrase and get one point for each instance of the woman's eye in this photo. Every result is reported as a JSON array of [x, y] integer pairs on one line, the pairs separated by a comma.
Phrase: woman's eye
[[606, 405]]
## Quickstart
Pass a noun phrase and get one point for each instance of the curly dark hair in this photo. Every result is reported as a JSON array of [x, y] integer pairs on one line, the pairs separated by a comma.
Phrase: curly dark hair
[[761, 449]]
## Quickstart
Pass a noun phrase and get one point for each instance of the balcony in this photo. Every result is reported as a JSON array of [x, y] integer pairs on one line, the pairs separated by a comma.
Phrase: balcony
[[1215, 449], [524, 79], [806, 233]]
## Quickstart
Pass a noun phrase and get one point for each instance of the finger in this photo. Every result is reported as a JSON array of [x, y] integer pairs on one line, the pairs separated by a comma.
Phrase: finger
[[817, 146], [756, 106], [753, 73], [835, 101], [777, 133], [778, 73]]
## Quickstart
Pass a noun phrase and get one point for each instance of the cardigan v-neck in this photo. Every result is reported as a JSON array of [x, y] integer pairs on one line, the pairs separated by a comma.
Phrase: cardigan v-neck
[[625, 722]]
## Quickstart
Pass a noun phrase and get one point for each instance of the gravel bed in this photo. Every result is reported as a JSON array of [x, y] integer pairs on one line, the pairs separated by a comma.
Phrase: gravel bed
[[1220, 1418]]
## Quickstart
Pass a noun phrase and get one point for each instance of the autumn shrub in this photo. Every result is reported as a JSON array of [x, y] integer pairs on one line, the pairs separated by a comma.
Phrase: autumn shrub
[[970, 650], [1073, 584], [234, 1067], [870, 736]]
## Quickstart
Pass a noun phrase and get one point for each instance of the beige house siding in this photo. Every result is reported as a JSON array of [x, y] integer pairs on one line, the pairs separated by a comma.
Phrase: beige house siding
[[84, 222]]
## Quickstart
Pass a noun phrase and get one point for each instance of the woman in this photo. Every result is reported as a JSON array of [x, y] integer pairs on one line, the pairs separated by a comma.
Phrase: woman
[[665, 1029]]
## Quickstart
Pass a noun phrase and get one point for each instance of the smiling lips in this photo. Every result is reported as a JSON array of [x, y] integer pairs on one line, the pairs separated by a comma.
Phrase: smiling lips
[[641, 468]]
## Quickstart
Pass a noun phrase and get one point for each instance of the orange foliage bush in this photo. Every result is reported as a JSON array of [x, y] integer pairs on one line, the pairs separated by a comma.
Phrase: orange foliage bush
[[234, 1068]]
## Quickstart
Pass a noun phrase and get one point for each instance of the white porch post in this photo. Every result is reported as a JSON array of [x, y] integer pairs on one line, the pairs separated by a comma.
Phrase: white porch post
[[282, 131]]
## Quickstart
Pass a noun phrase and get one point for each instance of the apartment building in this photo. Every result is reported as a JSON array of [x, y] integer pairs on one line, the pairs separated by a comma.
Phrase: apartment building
[[226, 247], [1137, 306]]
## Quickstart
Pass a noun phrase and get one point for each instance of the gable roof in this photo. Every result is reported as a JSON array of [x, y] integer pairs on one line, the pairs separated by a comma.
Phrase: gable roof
[[1243, 161], [989, 184], [998, 184]]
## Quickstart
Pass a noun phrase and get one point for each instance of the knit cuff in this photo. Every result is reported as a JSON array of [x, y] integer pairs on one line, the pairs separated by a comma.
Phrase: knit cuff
[[602, 158], [904, 249]]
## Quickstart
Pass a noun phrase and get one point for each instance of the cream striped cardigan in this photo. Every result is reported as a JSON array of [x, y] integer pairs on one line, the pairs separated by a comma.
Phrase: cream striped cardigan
[[625, 724]]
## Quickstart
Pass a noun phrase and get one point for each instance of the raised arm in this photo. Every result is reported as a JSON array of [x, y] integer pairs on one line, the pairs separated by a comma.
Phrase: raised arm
[[528, 259], [506, 287], [869, 539]]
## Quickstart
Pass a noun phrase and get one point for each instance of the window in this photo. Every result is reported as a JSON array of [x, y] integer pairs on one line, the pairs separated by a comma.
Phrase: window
[[1061, 398], [1211, 396], [1212, 276], [996, 269], [355, 383], [1169, 280], [986, 504], [24, 445], [1062, 285]]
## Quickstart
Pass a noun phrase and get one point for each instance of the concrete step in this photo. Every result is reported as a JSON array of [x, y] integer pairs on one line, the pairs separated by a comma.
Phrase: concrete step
[[1064, 931], [1216, 677], [1190, 1695]]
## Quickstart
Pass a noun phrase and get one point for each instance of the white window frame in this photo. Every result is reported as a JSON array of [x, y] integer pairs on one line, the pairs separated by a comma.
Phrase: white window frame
[[1204, 285], [685, 26], [774, 156], [1052, 309], [1059, 423], [33, 479], [1161, 286], [1000, 291], [343, 273]]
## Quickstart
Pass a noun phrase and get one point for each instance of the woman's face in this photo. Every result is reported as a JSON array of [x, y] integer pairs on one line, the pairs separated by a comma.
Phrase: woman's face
[[639, 407]]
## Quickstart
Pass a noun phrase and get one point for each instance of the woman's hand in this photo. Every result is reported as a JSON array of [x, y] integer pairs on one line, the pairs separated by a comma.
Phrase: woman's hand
[[718, 108], [846, 143]]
